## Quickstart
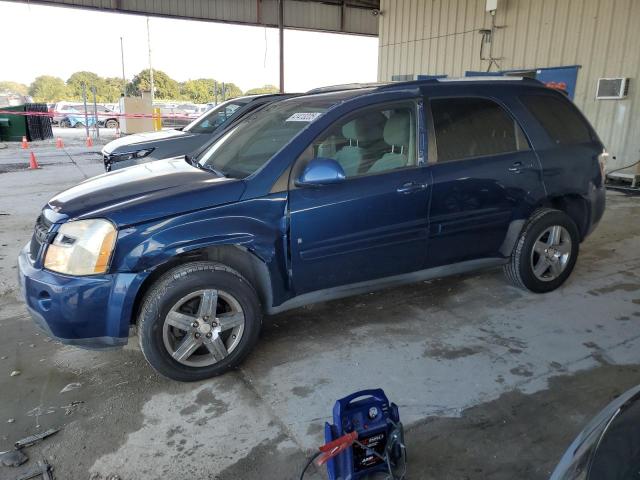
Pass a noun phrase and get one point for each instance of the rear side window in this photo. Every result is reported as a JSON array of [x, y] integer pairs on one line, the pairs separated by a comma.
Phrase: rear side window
[[559, 118], [474, 127]]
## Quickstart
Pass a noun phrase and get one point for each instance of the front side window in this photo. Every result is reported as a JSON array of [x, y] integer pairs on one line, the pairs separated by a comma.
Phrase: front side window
[[214, 118], [249, 144], [372, 141], [559, 118], [474, 127]]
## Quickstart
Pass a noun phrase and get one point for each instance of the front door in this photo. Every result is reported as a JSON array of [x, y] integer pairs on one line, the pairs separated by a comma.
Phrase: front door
[[374, 223], [485, 177]]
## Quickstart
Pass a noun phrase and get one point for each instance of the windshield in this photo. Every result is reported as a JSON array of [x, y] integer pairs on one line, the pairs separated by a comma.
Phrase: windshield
[[254, 140], [215, 117]]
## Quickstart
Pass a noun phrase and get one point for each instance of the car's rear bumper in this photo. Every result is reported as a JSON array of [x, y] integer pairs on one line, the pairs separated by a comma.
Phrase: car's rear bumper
[[90, 312]]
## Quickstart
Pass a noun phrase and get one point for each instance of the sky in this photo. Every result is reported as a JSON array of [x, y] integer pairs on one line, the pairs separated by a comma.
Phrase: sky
[[74, 40]]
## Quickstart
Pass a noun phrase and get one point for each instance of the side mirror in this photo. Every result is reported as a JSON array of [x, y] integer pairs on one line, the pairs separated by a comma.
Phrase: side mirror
[[321, 171]]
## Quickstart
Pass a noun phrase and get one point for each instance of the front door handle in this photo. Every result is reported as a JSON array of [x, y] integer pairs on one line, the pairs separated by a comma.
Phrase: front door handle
[[411, 187], [516, 167]]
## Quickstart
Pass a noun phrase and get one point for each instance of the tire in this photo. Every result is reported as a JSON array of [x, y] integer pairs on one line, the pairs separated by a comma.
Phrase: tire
[[539, 263], [65, 123], [178, 349], [111, 123]]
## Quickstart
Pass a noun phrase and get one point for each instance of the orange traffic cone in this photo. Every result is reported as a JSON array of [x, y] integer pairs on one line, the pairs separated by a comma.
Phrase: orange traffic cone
[[89, 142], [59, 143], [33, 163], [25, 144]]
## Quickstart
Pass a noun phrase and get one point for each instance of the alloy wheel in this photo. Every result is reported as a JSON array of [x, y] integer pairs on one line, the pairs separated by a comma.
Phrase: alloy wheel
[[203, 328], [551, 253]]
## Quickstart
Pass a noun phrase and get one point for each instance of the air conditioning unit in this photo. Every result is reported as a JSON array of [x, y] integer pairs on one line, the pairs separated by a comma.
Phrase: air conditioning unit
[[612, 88], [403, 78]]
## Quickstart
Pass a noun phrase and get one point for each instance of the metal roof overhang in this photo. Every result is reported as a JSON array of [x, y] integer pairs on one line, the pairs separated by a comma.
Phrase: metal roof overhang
[[357, 17]]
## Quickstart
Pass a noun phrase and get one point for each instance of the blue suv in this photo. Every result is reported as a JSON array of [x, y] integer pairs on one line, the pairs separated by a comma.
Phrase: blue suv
[[314, 198]]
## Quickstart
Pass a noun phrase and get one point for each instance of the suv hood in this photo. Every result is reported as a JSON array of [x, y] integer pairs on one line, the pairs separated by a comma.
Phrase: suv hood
[[145, 192], [140, 141]]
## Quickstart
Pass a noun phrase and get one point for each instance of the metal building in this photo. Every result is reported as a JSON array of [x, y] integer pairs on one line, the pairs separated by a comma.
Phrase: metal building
[[588, 39]]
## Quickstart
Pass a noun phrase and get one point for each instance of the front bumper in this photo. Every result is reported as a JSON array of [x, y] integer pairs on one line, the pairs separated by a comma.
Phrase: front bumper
[[90, 312]]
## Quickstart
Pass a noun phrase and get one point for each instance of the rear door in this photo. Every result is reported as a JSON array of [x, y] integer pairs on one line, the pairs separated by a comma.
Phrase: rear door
[[486, 178], [373, 224]]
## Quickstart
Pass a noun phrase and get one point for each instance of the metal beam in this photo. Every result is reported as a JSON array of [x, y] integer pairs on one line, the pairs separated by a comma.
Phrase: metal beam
[[351, 16], [281, 35]]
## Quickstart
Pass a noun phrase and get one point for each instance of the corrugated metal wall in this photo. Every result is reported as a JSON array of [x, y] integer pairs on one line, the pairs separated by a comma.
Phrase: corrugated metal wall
[[603, 36], [307, 15]]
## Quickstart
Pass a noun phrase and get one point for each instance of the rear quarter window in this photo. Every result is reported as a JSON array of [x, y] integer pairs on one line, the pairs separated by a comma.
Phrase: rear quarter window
[[561, 120]]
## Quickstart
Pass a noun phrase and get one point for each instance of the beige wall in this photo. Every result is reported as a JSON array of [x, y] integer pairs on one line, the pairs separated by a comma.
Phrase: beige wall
[[603, 36]]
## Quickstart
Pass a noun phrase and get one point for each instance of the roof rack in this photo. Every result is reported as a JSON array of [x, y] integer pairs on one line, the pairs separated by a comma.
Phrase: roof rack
[[417, 83], [491, 78], [346, 86]]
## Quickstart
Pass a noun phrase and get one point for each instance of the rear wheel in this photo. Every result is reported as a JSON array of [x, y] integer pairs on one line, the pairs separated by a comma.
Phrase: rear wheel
[[198, 321], [111, 123], [65, 123], [546, 252]]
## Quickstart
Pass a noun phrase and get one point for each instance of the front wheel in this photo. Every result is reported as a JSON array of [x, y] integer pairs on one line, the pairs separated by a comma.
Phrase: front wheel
[[198, 321], [546, 252]]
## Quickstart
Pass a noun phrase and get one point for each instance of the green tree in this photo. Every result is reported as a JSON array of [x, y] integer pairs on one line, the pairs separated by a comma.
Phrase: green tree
[[198, 91], [112, 89], [262, 90], [165, 87], [231, 90], [14, 87], [90, 79], [46, 88]]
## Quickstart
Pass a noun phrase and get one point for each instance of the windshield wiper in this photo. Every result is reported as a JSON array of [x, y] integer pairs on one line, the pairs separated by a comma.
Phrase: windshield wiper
[[205, 166]]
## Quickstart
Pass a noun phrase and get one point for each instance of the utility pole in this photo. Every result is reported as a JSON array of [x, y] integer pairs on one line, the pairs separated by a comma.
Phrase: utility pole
[[281, 31], [124, 80], [150, 67]]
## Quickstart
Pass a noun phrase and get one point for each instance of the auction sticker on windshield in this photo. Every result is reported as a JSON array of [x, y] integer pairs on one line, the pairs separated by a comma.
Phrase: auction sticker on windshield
[[303, 117]]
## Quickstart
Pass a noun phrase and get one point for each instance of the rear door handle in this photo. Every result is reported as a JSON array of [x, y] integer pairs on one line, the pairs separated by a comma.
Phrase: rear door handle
[[516, 167], [411, 187]]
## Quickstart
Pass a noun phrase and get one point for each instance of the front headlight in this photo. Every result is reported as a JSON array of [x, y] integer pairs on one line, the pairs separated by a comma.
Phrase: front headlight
[[121, 157], [82, 247]]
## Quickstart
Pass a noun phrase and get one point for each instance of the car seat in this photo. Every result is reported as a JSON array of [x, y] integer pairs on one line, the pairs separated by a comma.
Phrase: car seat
[[360, 132], [396, 134]]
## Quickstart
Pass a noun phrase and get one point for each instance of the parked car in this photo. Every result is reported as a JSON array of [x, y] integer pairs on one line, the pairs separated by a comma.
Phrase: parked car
[[77, 119], [314, 198], [107, 118], [608, 447], [71, 115], [144, 147], [60, 110]]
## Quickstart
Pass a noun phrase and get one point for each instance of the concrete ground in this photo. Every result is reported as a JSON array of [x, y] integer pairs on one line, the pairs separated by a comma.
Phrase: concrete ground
[[491, 381]]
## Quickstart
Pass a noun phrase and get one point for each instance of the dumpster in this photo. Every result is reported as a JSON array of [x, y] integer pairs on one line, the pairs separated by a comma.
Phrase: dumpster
[[34, 127]]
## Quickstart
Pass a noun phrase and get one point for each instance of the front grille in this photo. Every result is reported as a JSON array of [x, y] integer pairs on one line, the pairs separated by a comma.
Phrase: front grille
[[39, 237]]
